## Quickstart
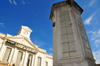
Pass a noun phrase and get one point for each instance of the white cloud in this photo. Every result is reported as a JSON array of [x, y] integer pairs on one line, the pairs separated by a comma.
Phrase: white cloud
[[2, 24], [95, 37], [95, 34], [10, 1], [88, 21], [92, 2], [50, 49], [97, 42], [98, 32], [14, 2], [92, 32], [97, 56], [51, 54], [39, 43], [23, 2]]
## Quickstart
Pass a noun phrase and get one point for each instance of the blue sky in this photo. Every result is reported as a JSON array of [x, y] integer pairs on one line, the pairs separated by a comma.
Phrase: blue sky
[[35, 14]]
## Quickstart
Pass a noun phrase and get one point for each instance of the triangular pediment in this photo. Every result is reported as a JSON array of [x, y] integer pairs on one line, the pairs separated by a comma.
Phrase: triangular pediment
[[22, 40]]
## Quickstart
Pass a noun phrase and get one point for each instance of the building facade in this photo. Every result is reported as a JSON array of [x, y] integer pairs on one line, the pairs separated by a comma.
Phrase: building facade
[[20, 51]]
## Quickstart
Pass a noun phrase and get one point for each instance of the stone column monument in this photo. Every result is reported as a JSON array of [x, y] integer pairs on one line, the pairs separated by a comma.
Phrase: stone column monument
[[70, 42]]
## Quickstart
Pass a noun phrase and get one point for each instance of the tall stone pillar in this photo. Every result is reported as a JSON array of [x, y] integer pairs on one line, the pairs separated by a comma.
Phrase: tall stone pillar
[[70, 42]]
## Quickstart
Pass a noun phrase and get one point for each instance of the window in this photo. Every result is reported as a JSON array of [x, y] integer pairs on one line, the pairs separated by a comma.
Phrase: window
[[39, 61], [19, 58], [46, 63], [29, 60], [7, 55]]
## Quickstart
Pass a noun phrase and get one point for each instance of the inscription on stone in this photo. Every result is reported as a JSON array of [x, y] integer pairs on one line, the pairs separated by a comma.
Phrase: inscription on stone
[[68, 23], [72, 46], [73, 54], [71, 37], [65, 47], [63, 30], [84, 36], [65, 55], [62, 24], [67, 36], [69, 29]]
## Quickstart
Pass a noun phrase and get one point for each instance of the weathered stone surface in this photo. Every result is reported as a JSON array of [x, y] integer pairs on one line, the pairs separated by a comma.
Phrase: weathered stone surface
[[71, 45]]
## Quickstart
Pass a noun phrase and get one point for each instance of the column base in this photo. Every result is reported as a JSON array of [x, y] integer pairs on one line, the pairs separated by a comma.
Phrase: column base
[[84, 63]]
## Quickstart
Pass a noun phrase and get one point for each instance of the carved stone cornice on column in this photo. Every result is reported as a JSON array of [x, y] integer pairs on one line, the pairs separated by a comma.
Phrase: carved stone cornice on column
[[64, 3]]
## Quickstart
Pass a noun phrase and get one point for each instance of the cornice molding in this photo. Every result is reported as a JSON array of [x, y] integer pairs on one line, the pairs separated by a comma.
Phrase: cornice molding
[[49, 56], [64, 3], [27, 39], [15, 37]]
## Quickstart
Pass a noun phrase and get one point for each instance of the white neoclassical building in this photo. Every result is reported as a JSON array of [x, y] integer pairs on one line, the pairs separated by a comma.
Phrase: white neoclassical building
[[20, 51]]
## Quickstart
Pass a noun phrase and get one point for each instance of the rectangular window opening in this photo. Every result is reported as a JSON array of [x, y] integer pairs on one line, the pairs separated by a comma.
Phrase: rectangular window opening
[[19, 58], [46, 63], [39, 61], [29, 63], [7, 55]]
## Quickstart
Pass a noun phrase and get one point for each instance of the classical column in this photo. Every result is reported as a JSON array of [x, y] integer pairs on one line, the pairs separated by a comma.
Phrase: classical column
[[2, 51], [14, 57], [36, 59], [25, 59], [33, 60], [1, 42], [44, 60], [11, 56]]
